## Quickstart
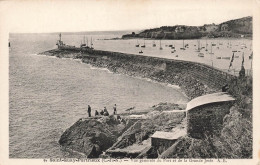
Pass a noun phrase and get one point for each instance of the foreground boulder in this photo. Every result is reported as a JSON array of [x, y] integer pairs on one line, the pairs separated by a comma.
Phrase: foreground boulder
[[92, 136]]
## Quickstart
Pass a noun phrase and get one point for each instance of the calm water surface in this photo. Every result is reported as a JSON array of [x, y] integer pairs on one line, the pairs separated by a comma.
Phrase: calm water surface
[[47, 95]]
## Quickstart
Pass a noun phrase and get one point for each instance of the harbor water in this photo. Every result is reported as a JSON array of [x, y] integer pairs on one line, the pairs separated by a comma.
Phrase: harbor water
[[47, 95], [218, 56]]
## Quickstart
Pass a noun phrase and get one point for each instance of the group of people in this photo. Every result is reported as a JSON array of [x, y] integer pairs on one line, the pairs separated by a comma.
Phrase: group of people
[[102, 112]]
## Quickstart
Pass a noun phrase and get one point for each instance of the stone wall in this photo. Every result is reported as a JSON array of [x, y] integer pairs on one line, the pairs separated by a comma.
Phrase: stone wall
[[207, 119]]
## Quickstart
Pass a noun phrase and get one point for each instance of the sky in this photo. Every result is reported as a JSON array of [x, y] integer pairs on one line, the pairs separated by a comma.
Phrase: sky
[[109, 15]]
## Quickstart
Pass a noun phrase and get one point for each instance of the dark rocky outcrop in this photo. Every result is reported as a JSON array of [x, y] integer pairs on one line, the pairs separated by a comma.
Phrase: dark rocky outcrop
[[92, 136]]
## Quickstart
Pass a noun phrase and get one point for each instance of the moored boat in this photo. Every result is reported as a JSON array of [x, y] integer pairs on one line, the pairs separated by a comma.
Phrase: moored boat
[[154, 45], [160, 45], [137, 45], [201, 55], [143, 46], [226, 58]]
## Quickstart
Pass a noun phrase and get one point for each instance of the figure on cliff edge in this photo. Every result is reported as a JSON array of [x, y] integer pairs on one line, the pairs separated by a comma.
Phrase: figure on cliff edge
[[115, 110], [101, 112], [89, 111], [106, 112], [96, 113], [242, 72]]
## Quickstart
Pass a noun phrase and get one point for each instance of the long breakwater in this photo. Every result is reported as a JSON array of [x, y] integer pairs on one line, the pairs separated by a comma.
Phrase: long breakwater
[[195, 79]]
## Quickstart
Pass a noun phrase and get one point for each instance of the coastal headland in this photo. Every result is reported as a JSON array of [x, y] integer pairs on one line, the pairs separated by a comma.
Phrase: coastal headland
[[130, 136]]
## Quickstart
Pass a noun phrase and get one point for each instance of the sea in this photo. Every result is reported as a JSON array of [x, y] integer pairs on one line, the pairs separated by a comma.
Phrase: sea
[[48, 94]]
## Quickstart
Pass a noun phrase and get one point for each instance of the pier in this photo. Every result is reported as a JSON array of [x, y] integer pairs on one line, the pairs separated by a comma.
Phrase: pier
[[201, 78], [195, 79]]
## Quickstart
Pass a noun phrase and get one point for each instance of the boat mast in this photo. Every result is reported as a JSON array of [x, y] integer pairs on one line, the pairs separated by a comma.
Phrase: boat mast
[[206, 45], [91, 42], [211, 47], [198, 45]]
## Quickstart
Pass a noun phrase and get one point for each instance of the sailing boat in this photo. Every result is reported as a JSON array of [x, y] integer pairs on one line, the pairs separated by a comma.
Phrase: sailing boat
[[84, 43], [160, 45], [198, 50], [137, 45], [211, 48], [91, 44], [206, 46], [143, 46], [182, 45], [251, 56], [154, 45], [173, 46], [87, 43]]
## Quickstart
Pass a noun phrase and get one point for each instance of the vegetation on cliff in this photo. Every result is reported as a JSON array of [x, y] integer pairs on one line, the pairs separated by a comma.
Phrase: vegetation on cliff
[[233, 28], [236, 138]]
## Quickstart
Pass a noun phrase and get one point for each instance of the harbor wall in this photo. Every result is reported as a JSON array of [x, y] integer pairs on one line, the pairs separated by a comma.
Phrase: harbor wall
[[195, 79], [206, 120]]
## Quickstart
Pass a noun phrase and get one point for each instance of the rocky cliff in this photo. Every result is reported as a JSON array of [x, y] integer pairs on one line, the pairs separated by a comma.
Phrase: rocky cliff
[[92, 136], [233, 28], [95, 135]]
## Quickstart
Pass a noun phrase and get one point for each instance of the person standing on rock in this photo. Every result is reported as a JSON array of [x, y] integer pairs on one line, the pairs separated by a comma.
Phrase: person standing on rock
[[89, 111], [115, 109]]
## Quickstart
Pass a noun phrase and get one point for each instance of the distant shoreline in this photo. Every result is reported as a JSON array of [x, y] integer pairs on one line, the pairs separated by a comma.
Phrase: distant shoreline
[[203, 38]]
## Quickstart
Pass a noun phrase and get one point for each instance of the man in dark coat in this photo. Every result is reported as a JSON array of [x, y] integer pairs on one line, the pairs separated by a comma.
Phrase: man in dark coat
[[114, 109], [89, 111]]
